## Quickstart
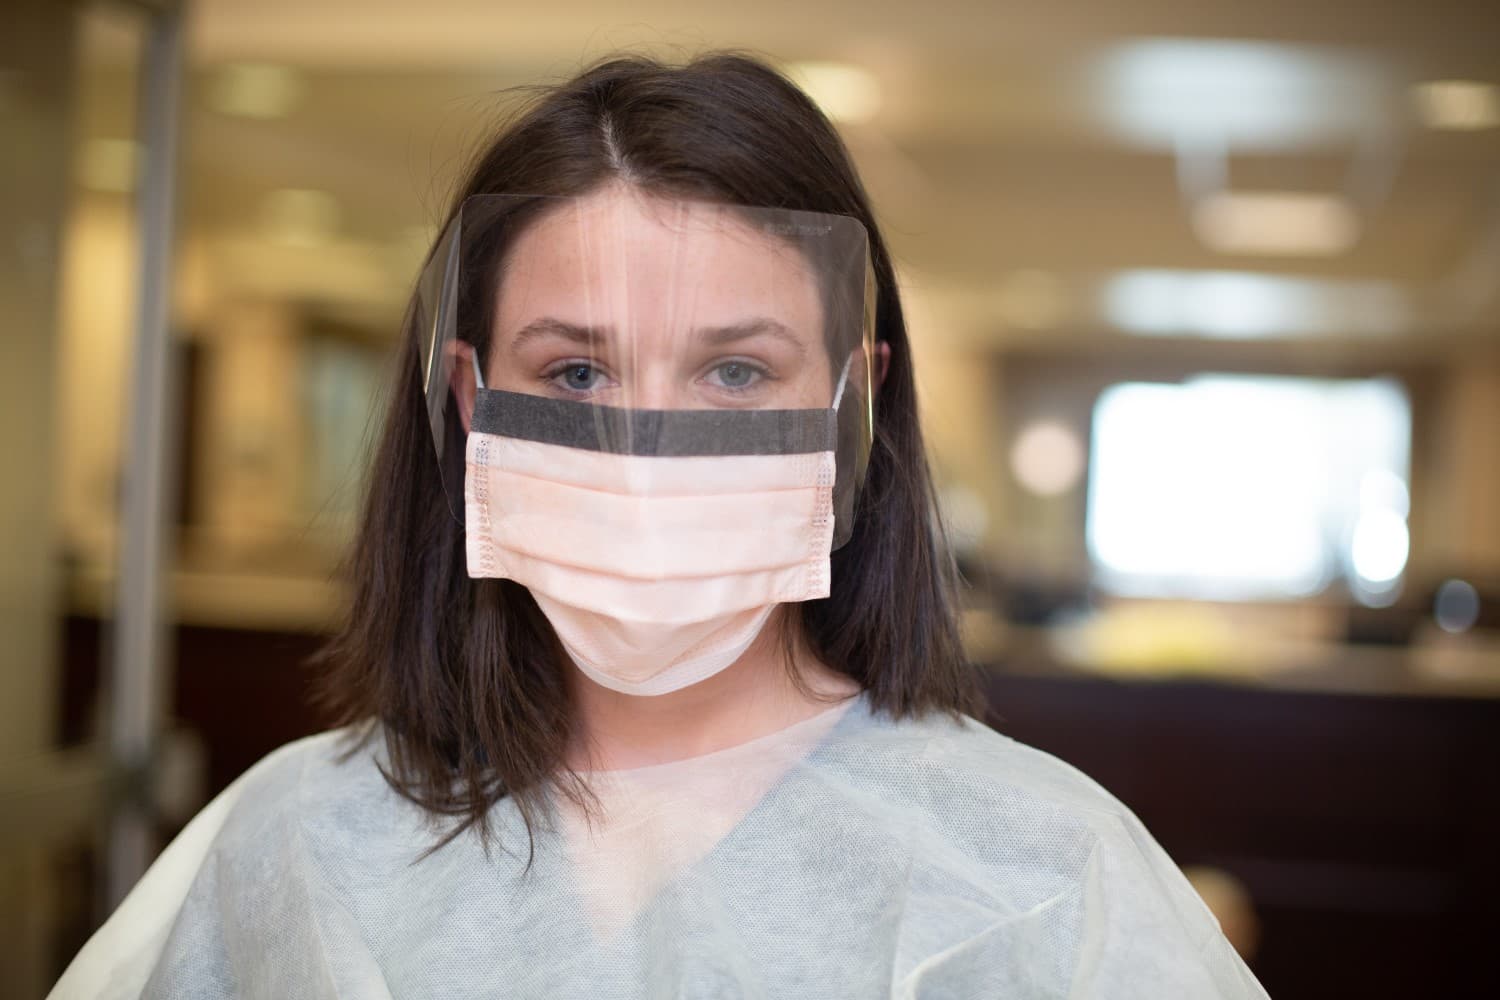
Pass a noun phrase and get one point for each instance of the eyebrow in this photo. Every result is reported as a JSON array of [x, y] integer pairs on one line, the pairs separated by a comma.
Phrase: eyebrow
[[715, 336]]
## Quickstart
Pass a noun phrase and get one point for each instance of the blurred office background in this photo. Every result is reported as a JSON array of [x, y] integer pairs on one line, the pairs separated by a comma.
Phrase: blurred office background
[[1206, 302]]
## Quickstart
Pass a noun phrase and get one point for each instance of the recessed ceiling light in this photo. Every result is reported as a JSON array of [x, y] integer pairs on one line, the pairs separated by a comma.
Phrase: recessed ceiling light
[[255, 90], [1288, 223], [847, 94], [1464, 105]]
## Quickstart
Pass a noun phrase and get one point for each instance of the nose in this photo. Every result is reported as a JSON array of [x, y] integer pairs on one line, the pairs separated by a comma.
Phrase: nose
[[658, 386]]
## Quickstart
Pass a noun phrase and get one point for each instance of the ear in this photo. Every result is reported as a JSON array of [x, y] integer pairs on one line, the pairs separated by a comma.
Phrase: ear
[[461, 378], [882, 362]]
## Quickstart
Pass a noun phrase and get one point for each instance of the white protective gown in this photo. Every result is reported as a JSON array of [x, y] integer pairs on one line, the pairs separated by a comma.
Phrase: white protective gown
[[845, 856]]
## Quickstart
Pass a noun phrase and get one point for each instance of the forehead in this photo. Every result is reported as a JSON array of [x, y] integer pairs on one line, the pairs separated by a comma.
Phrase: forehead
[[620, 250]]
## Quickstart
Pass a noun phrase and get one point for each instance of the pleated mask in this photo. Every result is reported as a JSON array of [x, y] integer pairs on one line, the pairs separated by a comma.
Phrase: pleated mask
[[657, 563]]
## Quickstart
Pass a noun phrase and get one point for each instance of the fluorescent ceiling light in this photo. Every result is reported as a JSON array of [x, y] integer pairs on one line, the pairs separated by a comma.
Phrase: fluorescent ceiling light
[[1244, 304], [255, 90], [847, 94], [1287, 223], [1464, 105], [1164, 92]]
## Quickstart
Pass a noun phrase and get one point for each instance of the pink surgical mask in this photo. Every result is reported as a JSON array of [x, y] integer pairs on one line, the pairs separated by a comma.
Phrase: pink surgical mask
[[656, 542]]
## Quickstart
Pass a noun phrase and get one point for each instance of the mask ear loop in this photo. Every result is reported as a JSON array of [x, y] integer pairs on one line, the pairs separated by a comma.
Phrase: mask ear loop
[[478, 370], [838, 393]]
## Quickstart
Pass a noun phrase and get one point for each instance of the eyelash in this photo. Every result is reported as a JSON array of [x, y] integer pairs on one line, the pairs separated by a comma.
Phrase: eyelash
[[761, 373]]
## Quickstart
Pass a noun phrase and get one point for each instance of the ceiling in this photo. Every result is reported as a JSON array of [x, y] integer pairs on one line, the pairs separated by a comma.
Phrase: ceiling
[[1034, 166]]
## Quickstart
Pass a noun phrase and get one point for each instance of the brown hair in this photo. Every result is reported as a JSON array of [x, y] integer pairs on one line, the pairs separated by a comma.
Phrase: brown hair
[[466, 675]]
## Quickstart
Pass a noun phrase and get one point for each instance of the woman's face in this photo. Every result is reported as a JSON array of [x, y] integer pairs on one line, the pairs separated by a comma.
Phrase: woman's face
[[627, 299]]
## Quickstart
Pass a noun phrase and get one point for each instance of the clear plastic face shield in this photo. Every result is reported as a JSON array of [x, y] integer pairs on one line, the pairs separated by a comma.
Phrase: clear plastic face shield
[[641, 318], [652, 411]]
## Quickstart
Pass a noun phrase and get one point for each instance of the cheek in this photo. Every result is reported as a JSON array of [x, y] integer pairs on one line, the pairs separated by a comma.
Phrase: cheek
[[815, 385]]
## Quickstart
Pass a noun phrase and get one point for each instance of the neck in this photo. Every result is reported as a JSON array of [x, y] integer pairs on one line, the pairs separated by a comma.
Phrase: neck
[[750, 698]]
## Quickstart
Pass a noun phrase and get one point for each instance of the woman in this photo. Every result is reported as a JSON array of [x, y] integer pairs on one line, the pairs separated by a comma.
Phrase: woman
[[669, 612]]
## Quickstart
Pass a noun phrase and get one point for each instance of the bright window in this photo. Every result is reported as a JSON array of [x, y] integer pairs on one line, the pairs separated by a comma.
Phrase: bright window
[[1243, 487]]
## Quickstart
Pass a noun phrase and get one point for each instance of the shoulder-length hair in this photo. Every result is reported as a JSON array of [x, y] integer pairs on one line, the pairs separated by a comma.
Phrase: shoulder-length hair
[[465, 675]]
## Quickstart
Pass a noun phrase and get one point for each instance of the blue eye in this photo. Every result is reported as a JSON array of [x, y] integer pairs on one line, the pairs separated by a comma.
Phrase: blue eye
[[737, 375], [579, 377]]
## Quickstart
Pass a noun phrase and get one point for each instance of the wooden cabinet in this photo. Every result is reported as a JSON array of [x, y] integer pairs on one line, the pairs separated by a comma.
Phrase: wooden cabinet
[[1366, 827]]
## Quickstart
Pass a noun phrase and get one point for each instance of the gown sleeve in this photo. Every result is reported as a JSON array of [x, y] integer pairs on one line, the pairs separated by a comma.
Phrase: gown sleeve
[[1146, 933], [120, 958], [1118, 919], [117, 960]]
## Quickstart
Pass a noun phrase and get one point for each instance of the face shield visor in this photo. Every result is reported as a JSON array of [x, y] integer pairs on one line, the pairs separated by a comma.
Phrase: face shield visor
[[654, 410], [631, 325]]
